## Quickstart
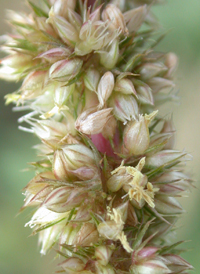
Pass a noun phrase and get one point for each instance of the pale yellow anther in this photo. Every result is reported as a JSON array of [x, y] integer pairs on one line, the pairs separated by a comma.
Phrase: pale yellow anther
[[12, 98], [123, 239], [140, 189], [149, 117], [119, 168], [115, 216], [141, 164]]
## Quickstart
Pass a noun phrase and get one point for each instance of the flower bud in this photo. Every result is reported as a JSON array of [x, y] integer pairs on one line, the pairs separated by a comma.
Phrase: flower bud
[[83, 213], [150, 267], [119, 3], [55, 54], [118, 179], [69, 234], [33, 84], [78, 155], [168, 127], [90, 122], [85, 173], [150, 70], [177, 264], [65, 70], [161, 227], [113, 15], [159, 83], [125, 107], [135, 17], [110, 128], [71, 157], [44, 216], [105, 87], [103, 254], [91, 99], [93, 36], [101, 269], [125, 86], [48, 236], [61, 7], [72, 264], [66, 31], [172, 189], [163, 98], [96, 14], [109, 56], [171, 61], [60, 167], [176, 178], [37, 189], [50, 129], [62, 94], [144, 93], [167, 205], [64, 199], [136, 134], [147, 252], [87, 235], [91, 79], [132, 217], [164, 157], [44, 27], [158, 142], [74, 19], [17, 60]]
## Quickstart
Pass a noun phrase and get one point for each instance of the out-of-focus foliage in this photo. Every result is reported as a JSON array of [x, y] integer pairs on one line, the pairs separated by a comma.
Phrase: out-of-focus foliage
[[17, 252]]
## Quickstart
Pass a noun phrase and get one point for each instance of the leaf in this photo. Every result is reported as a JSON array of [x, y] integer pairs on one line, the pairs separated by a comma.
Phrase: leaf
[[157, 146], [154, 213], [47, 226], [154, 124], [89, 143], [71, 214], [75, 79], [47, 3], [141, 234], [21, 25], [133, 62], [51, 38], [160, 38], [106, 170], [38, 11], [24, 45], [94, 218], [169, 248], [62, 254], [157, 171]]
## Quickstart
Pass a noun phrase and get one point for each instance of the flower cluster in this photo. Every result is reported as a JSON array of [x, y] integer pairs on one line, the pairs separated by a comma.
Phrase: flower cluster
[[108, 176]]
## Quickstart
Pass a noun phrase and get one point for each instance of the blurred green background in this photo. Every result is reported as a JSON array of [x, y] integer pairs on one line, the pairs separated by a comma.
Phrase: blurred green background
[[18, 252]]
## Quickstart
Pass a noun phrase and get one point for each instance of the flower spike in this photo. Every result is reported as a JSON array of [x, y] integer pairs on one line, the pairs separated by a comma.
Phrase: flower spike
[[107, 180]]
